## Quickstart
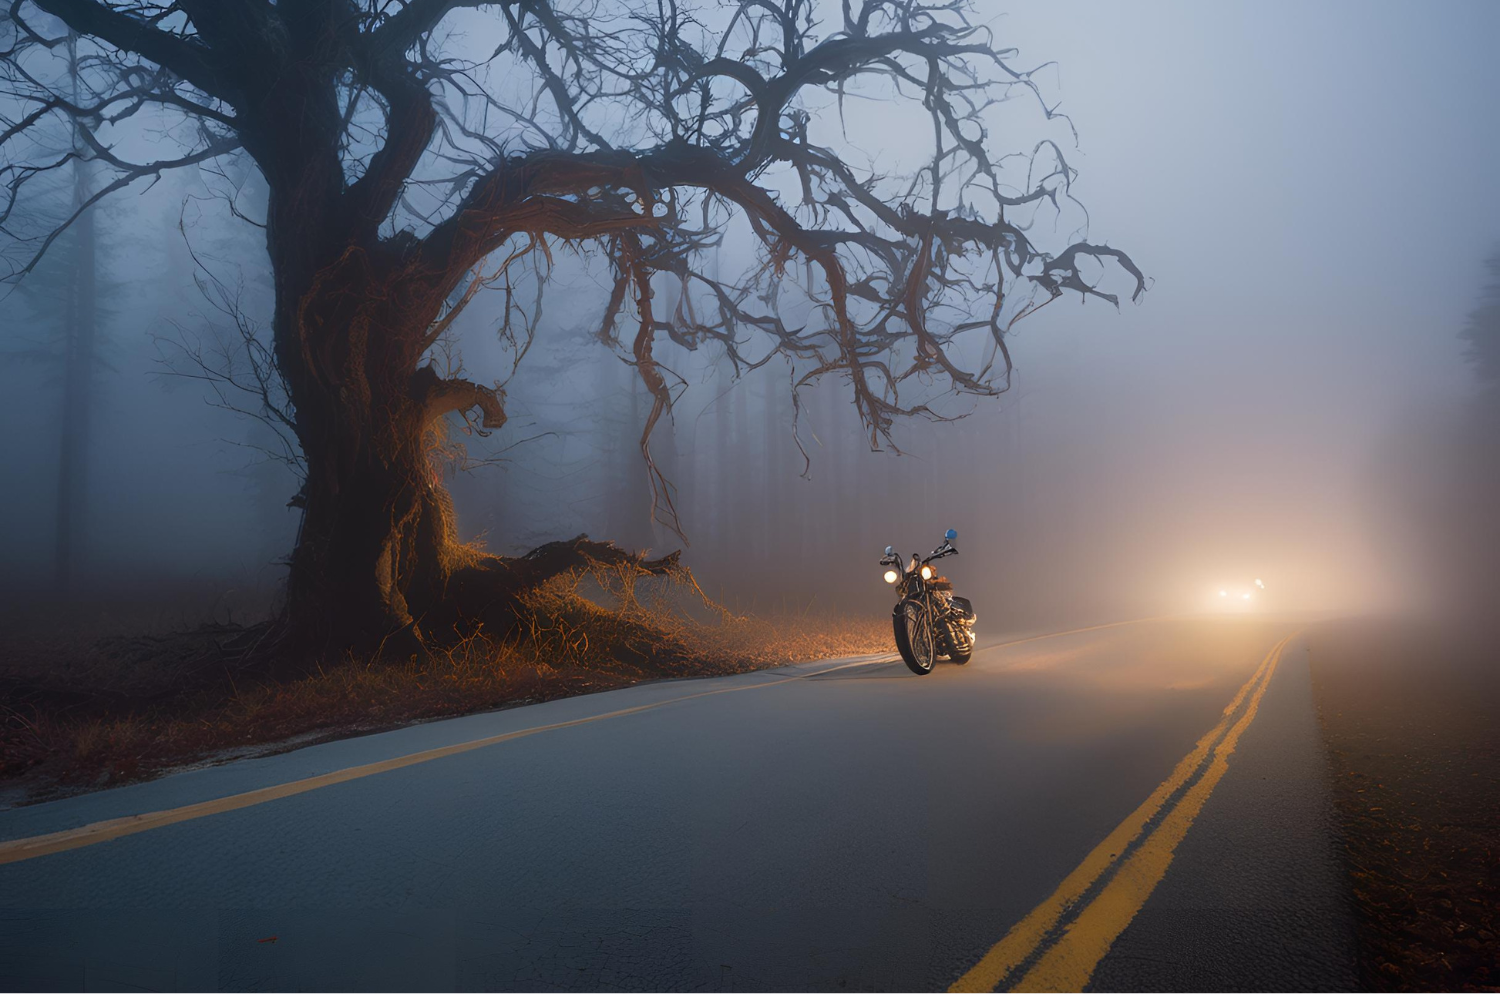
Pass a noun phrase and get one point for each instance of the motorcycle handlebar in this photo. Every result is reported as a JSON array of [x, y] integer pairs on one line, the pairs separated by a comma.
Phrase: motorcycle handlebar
[[945, 549], [938, 553]]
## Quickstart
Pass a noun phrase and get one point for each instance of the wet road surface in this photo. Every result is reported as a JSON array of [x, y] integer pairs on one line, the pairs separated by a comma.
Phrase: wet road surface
[[1139, 806]]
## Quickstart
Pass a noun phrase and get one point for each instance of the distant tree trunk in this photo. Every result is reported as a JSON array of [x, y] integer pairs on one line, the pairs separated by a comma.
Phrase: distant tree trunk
[[770, 479], [628, 514], [833, 471], [723, 515], [741, 548], [80, 329]]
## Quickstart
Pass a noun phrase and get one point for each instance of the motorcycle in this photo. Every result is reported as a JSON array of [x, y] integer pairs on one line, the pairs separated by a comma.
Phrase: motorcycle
[[928, 620]]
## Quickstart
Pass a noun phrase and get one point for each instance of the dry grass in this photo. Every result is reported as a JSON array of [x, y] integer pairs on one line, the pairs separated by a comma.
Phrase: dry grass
[[1411, 716], [83, 713]]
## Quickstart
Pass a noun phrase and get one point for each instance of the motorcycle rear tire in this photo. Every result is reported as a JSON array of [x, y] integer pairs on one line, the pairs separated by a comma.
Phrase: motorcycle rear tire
[[903, 641]]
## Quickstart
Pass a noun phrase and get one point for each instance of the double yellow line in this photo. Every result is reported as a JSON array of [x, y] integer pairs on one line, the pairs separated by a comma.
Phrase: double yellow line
[[1065, 962]]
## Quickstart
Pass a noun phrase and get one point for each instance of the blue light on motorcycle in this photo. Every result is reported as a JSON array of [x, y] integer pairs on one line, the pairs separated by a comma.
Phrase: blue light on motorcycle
[[950, 534]]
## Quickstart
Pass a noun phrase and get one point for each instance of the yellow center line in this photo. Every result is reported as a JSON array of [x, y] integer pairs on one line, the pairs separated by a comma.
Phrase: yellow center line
[[1069, 964], [1024, 938], [111, 829]]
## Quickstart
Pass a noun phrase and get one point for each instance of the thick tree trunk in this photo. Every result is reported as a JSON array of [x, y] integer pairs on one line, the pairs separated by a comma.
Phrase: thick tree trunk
[[377, 544], [378, 568]]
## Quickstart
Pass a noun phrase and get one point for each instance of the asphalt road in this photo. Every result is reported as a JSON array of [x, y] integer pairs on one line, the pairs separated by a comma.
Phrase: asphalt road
[[1064, 812]]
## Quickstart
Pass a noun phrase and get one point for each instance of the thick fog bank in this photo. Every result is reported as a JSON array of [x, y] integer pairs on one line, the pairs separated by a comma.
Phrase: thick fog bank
[[1309, 187]]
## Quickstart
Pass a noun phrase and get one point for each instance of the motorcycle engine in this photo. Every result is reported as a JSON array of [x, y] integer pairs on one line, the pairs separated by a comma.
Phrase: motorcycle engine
[[959, 624]]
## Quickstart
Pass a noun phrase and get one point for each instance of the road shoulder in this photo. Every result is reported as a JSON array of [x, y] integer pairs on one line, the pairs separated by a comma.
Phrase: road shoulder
[[1409, 712]]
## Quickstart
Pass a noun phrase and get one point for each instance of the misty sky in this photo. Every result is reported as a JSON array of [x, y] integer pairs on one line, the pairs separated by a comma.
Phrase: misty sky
[[1311, 187], [1308, 185]]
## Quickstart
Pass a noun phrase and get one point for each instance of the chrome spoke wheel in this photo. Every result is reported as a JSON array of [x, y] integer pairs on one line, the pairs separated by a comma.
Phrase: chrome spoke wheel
[[919, 635]]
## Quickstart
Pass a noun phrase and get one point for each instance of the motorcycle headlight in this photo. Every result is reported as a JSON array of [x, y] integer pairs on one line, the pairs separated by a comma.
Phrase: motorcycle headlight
[[927, 572], [891, 576]]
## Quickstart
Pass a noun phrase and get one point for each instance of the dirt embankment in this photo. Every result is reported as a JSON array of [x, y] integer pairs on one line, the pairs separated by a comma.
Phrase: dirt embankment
[[81, 711], [1411, 719]]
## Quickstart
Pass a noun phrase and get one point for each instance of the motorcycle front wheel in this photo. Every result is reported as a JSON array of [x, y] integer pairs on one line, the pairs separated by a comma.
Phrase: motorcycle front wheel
[[914, 636]]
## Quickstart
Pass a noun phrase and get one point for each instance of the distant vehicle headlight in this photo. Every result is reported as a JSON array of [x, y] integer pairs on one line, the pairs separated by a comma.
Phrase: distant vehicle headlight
[[891, 576], [927, 572]]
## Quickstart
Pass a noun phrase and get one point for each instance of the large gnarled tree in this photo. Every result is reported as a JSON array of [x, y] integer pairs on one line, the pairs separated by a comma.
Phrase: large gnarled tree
[[417, 150]]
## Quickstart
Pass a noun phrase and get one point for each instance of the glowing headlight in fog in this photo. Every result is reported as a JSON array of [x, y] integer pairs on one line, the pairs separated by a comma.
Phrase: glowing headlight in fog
[[890, 576], [927, 572]]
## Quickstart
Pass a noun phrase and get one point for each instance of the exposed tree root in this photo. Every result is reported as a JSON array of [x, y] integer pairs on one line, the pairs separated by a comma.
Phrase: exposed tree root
[[491, 594]]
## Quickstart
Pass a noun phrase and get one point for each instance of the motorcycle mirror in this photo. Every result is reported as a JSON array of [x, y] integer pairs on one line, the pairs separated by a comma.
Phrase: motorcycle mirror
[[890, 550], [950, 534]]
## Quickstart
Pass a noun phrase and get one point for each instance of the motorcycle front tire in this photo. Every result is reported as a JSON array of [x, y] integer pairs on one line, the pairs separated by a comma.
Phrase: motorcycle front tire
[[903, 641]]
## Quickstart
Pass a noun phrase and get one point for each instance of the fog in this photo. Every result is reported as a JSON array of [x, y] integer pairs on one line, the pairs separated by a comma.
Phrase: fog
[[1309, 188]]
